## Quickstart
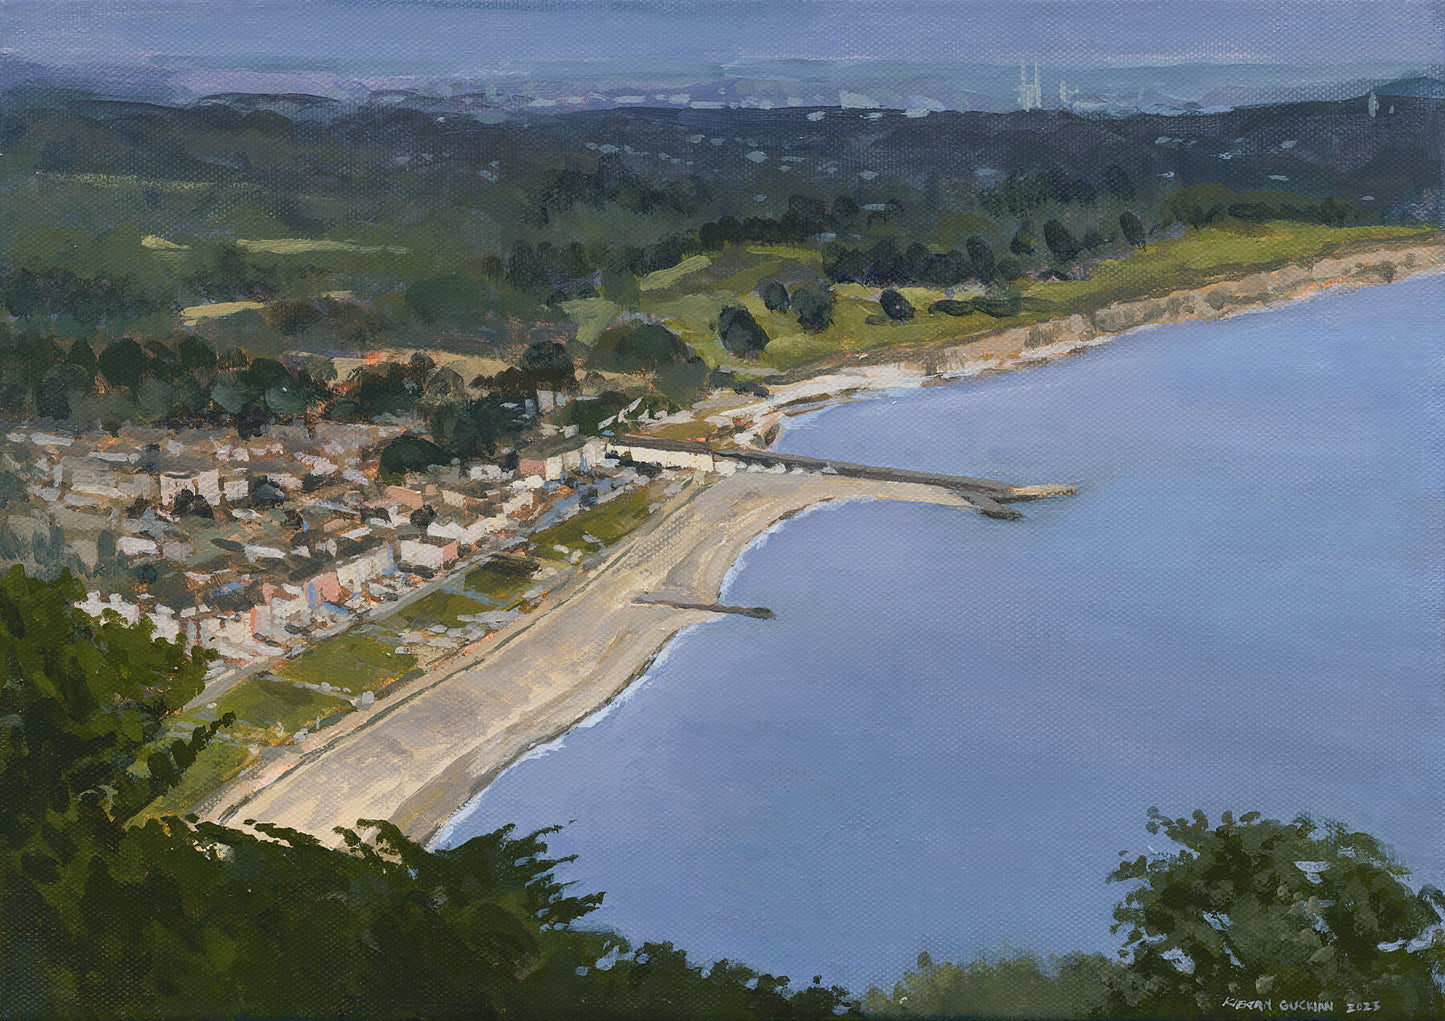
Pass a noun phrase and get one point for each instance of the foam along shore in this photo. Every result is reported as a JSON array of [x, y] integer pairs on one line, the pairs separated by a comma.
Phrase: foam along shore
[[1020, 346], [418, 761]]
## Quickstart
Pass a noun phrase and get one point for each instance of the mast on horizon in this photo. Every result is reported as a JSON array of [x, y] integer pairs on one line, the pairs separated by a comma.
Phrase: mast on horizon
[[1031, 97]]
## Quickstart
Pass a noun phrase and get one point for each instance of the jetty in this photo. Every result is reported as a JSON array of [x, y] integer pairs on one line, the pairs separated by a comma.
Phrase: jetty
[[989, 496], [759, 612]]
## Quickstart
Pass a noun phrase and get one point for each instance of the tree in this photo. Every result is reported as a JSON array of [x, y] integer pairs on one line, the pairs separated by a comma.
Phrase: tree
[[175, 917], [814, 306], [1258, 909], [1023, 242], [123, 363], [980, 257], [1060, 241], [739, 332], [630, 347], [1012, 985], [1132, 227], [410, 453], [775, 296], [1198, 205], [82, 703], [895, 305], [548, 366]]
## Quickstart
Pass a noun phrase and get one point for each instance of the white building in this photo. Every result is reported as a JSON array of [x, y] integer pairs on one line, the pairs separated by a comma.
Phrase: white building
[[420, 554], [204, 482]]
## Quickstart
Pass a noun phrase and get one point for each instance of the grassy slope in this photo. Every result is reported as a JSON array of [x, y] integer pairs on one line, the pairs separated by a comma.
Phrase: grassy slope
[[352, 661], [605, 523], [689, 302]]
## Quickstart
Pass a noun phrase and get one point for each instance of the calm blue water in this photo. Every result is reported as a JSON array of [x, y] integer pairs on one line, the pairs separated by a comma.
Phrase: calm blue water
[[955, 724]]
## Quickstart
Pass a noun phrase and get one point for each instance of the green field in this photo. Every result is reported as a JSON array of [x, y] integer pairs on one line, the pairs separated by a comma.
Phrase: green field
[[605, 523], [1202, 257], [217, 764], [352, 661], [687, 297], [277, 707]]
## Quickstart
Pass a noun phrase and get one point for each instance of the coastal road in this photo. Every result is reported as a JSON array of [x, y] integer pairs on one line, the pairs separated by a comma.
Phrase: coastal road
[[416, 762]]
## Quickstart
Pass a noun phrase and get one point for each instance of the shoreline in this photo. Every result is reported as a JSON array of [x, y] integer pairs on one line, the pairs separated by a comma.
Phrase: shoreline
[[443, 832], [420, 760], [1012, 348], [435, 800]]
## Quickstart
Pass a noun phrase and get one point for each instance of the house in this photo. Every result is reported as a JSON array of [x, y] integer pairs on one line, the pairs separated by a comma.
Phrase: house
[[432, 555], [527, 466], [204, 482], [667, 453], [135, 546], [411, 499], [485, 473]]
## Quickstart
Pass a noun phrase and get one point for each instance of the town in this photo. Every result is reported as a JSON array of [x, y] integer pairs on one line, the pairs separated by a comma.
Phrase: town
[[255, 548]]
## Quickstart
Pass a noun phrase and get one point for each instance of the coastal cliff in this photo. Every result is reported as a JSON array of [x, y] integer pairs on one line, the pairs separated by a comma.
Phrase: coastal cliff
[[1019, 346]]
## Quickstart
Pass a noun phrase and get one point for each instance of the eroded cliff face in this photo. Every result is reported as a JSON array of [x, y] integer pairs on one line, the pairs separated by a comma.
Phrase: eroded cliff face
[[1215, 301], [1019, 346]]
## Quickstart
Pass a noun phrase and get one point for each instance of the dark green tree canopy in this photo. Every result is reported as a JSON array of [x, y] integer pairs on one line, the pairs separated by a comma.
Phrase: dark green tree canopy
[[123, 363], [1253, 908], [775, 296], [411, 453], [980, 256], [1132, 227], [629, 347], [814, 306], [1060, 241], [739, 332], [895, 305]]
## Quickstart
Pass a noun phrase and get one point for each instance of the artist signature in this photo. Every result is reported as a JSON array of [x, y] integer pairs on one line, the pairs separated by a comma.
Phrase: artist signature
[[1320, 1006]]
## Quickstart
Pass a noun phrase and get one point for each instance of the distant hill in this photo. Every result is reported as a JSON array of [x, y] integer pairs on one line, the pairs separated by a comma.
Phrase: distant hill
[[1421, 87]]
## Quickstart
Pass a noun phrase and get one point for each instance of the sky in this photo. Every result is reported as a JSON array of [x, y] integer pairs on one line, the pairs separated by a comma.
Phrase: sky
[[469, 36]]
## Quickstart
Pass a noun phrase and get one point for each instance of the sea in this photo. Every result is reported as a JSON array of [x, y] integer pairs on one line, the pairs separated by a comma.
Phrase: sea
[[956, 725]]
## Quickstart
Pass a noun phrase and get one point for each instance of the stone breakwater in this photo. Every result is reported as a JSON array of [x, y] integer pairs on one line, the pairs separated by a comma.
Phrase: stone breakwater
[[1016, 347]]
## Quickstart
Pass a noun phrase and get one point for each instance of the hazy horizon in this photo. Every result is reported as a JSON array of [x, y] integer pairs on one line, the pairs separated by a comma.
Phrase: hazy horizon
[[1104, 45]]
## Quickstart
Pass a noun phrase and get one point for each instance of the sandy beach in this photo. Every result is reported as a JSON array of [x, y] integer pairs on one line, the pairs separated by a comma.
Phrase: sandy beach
[[417, 761]]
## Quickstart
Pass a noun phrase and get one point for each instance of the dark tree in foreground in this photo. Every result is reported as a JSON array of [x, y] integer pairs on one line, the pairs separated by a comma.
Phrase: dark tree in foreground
[[895, 305], [177, 918], [1132, 226], [739, 332], [1254, 908]]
